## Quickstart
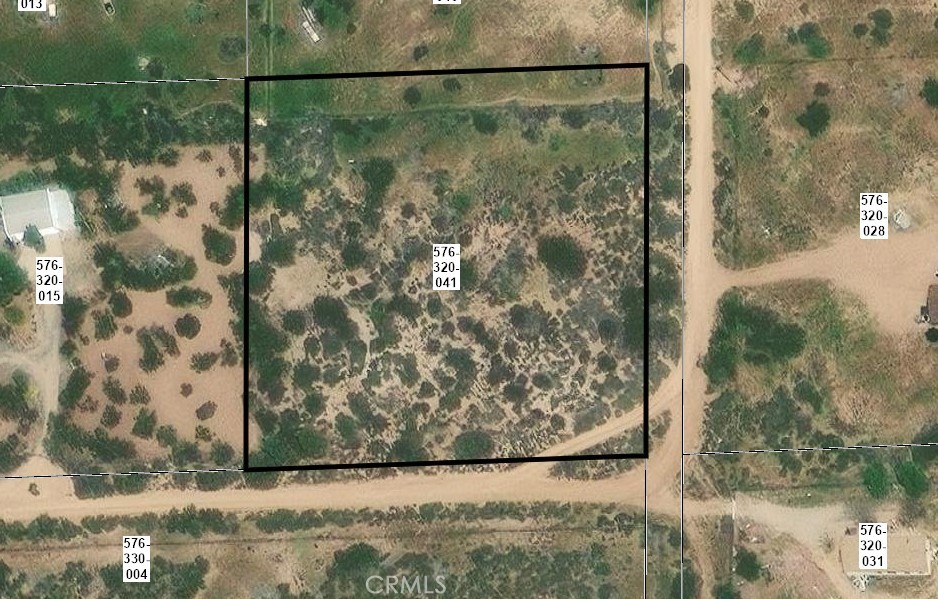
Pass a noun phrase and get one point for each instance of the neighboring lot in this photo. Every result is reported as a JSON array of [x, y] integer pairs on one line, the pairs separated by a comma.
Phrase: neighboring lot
[[170, 39], [801, 364], [141, 366], [474, 551], [756, 529], [353, 357], [814, 105], [359, 36]]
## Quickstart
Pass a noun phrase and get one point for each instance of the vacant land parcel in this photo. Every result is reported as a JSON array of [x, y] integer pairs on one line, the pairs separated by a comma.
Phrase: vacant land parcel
[[815, 105], [84, 41], [341, 36], [140, 365], [538, 176]]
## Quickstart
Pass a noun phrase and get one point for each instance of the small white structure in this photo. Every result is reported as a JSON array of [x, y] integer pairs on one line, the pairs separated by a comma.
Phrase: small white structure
[[308, 25], [902, 219], [50, 210]]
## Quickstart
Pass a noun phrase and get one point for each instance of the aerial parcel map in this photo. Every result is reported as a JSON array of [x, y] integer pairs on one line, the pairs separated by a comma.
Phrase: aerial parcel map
[[469, 299]]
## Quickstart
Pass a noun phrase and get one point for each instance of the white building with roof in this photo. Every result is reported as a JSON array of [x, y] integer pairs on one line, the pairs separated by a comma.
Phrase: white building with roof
[[50, 210]]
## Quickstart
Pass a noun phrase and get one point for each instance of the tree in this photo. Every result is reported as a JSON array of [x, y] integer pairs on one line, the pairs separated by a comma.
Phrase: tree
[[354, 561], [876, 480], [931, 335], [120, 304], [815, 118], [747, 565], [188, 326], [12, 278], [930, 91], [562, 256], [206, 410], [745, 10], [219, 246], [412, 96], [751, 50], [473, 445], [222, 453], [33, 238], [725, 590], [111, 416], [912, 478]]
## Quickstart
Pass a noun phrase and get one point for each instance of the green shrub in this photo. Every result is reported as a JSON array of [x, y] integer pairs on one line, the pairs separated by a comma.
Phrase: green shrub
[[111, 416], [220, 247], [745, 10], [182, 193], [929, 93], [472, 445], [185, 296], [232, 213], [882, 24], [817, 45], [747, 565], [188, 326], [14, 315], [931, 335], [876, 480], [33, 238], [12, 278], [104, 325], [139, 395], [749, 333], [562, 256], [203, 361], [412, 95], [120, 304], [751, 50], [912, 478], [161, 268], [484, 122], [331, 314], [815, 118]]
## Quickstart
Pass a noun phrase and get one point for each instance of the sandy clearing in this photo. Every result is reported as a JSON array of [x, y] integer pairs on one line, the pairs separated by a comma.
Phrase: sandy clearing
[[222, 385], [890, 276]]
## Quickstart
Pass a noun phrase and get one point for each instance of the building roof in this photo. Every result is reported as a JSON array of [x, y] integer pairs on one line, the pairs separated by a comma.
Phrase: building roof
[[50, 210], [907, 553], [931, 303]]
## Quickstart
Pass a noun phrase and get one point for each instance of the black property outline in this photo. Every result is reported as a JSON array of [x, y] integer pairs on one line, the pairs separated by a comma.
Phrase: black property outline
[[645, 66]]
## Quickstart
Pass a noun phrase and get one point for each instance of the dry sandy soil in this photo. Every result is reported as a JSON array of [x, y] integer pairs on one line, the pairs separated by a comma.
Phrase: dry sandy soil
[[221, 384]]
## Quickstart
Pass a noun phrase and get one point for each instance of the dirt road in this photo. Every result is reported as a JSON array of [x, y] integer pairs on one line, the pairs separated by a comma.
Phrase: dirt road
[[889, 276]]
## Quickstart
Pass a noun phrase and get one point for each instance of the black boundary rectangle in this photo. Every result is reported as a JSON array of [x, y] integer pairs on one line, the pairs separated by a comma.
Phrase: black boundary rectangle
[[642, 455]]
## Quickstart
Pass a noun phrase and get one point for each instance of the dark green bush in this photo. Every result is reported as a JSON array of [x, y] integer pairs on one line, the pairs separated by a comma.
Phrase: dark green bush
[[815, 118], [751, 50], [817, 45], [185, 296], [219, 246], [188, 326], [929, 92], [120, 304], [562, 256], [472, 445], [12, 278], [745, 10]]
